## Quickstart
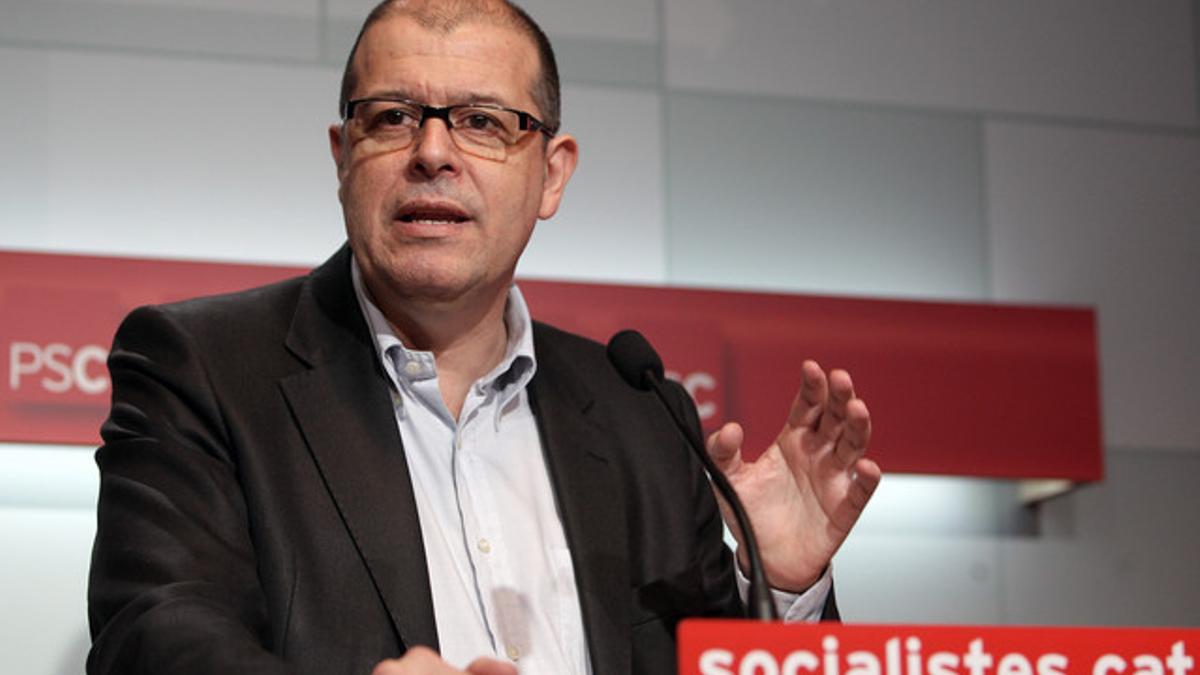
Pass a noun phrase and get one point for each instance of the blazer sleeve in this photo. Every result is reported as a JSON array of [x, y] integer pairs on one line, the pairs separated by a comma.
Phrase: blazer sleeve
[[716, 558], [173, 585]]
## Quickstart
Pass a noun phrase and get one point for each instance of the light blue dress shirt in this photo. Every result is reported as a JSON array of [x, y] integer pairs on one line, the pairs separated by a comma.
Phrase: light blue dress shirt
[[499, 567]]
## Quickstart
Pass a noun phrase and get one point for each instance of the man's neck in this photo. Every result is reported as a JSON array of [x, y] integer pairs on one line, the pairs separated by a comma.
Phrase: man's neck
[[468, 337]]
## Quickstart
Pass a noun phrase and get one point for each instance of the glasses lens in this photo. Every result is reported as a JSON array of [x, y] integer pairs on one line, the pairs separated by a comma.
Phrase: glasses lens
[[484, 130], [386, 124]]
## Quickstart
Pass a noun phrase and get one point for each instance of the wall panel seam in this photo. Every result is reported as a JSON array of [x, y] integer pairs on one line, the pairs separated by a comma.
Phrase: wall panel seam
[[173, 54], [1043, 119], [664, 142], [1196, 59]]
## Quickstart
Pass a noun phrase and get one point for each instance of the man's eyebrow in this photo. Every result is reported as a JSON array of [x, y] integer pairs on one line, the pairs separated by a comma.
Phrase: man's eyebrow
[[455, 99], [491, 100], [390, 93]]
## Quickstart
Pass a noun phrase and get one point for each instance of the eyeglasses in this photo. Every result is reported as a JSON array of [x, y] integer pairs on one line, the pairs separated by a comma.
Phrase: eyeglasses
[[481, 129]]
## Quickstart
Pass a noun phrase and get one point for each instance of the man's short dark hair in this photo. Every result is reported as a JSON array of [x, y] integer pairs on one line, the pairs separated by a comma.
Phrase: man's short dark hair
[[445, 15]]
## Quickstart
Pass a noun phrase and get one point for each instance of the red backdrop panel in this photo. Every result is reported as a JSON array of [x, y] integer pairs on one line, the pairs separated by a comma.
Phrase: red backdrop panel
[[953, 388]]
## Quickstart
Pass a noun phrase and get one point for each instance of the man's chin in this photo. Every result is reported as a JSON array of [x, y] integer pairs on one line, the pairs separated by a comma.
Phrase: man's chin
[[440, 285]]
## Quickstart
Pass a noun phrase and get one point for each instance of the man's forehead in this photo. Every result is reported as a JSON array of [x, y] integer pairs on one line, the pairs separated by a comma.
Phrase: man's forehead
[[480, 58]]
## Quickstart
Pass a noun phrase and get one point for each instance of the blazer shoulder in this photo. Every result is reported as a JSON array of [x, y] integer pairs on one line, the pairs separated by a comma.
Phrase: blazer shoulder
[[557, 339], [249, 305], [236, 317], [565, 353]]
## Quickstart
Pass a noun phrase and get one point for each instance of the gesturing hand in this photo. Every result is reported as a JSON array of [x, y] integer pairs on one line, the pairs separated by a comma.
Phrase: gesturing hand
[[805, 493], [425, 661]]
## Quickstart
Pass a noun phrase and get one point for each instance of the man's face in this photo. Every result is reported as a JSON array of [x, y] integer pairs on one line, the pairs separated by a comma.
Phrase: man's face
[[430, 222]]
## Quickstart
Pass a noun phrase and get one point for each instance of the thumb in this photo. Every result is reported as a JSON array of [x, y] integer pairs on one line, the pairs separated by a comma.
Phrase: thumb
[[725, 447], [485, 666]]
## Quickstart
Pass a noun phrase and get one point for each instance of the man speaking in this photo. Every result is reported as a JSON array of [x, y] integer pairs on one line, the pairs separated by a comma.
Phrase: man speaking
[[386, 466]]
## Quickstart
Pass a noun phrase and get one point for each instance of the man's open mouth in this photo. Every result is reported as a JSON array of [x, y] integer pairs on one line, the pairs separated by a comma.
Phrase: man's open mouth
[[433, 214]]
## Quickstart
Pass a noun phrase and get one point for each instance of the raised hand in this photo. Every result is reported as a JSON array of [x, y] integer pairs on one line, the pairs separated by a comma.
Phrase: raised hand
[[807, 490]]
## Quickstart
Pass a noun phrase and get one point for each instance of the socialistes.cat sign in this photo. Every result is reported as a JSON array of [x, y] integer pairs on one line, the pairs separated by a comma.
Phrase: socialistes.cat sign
[[722, 647]]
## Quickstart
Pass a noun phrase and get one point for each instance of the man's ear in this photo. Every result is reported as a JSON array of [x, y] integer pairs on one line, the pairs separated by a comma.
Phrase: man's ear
[[335, 147], [562, 154]]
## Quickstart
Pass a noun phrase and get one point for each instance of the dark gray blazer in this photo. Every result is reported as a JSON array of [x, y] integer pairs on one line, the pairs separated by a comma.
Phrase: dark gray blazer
[[256, 513]]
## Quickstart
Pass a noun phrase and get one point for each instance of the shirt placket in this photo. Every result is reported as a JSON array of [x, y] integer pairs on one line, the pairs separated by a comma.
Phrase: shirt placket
[[482, 526]]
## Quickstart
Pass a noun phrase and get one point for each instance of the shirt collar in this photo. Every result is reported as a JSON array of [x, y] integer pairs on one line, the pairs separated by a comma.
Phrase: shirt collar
[[402, 364]]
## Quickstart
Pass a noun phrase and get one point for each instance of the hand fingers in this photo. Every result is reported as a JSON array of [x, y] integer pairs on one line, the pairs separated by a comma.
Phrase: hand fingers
[[419, 660], [855, 432], [866, 474], [810, 399], [424, 661], [485, 666], [865, 477], [841, 393], [724, 447]]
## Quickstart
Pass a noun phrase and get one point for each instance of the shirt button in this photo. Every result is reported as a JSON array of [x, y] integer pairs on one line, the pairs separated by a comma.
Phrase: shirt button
[[484, 545], [513, 652], [412, 368]]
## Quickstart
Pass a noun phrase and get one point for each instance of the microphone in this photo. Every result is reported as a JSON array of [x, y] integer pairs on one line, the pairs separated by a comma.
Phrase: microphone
[[640, 366]]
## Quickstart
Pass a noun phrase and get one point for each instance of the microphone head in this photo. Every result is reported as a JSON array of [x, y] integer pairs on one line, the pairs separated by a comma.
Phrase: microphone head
[[635, 359]]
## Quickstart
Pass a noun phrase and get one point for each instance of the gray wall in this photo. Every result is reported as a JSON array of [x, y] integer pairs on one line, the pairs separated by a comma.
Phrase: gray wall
[[1023, 151]]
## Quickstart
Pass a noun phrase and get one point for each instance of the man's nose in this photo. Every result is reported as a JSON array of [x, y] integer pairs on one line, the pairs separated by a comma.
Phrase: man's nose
[[434, 151]]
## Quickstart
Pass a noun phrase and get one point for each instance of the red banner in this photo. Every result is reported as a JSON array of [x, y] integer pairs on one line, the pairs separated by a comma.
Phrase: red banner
[[754, 648], [953, 388]]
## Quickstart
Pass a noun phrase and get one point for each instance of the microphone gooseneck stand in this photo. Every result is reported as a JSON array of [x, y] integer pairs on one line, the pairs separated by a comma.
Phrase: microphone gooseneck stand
[[641, 367]]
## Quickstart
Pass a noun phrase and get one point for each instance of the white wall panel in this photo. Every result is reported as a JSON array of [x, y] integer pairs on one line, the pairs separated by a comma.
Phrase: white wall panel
[[291, 7], [47, 522], [783, 194], [180, 158], [1116, 553], [354, 10], [619, 20], [610, 226], [47, 476], [918, 579], [266, 29], [614, 42], [1108, 59], [943, 506], [24, 134], [43, 581], [1111, 220], [1122, 552]]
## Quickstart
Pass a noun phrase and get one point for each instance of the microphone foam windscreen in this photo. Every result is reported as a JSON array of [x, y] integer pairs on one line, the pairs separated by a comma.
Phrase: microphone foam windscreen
[[632, 356]]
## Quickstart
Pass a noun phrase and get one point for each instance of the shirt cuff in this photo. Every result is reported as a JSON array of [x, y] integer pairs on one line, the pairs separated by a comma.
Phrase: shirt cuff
[[794, 607]]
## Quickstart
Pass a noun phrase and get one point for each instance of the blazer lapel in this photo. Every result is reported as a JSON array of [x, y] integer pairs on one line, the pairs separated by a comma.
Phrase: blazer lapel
[[343, 408], [588, 493]]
